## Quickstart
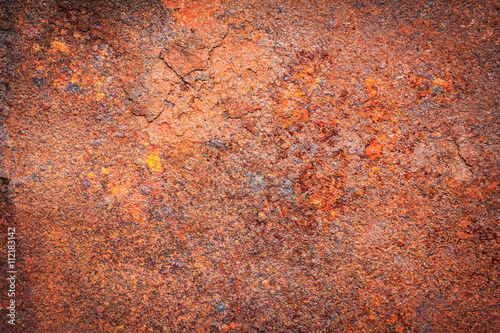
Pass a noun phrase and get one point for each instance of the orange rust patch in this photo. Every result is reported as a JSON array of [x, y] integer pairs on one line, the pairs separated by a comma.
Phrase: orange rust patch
[[58, 46], [371, 87], [374, 150]]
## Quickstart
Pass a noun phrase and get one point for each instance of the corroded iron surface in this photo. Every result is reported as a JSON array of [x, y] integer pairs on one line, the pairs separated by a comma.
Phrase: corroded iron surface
[[248, 166]]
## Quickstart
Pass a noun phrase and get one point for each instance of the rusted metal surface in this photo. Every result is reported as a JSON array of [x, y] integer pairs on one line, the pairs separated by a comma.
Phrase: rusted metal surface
[[216, 166]]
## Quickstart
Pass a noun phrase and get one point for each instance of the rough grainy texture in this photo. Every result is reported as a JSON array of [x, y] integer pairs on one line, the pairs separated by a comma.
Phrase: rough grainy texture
[[250, 166]]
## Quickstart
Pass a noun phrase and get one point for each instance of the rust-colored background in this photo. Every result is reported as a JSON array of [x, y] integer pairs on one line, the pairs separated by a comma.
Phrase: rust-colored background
[[251, 166]]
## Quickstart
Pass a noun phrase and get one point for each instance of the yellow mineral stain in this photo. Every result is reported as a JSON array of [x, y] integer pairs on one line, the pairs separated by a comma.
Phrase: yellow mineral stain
[[154, 162], [100, 96], [91, 175]]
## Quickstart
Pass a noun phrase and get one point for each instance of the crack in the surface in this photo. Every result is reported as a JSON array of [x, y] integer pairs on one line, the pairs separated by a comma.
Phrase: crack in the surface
[[218, 45], [160, 56], [461, 157], [131, 100], [183, 77], [115, 51]]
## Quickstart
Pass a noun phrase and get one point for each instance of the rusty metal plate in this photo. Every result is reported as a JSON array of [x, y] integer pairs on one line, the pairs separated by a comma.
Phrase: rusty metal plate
[[249, 166]]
